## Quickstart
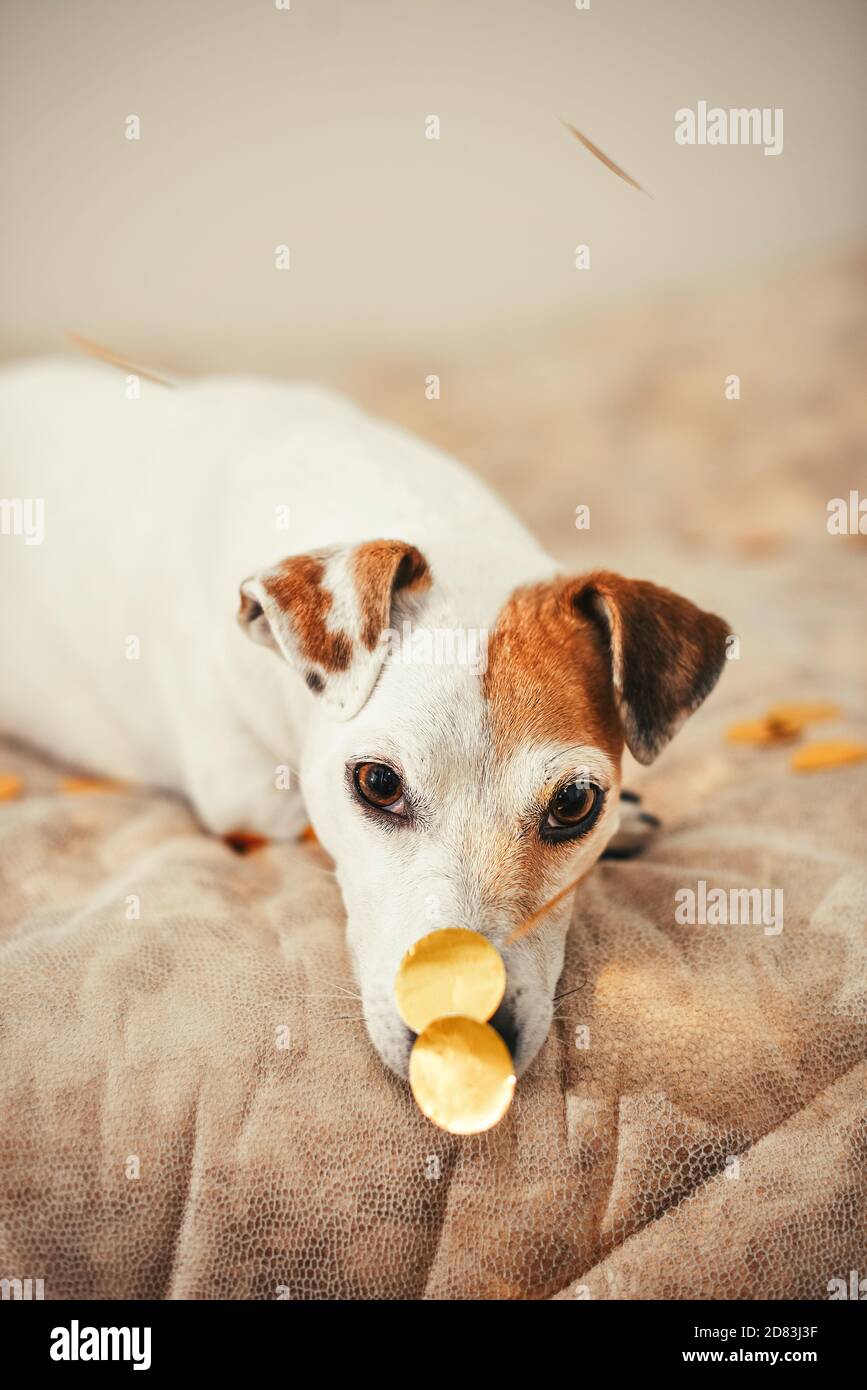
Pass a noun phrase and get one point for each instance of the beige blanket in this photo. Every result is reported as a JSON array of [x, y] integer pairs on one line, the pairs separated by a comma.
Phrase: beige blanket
[[190, 1107]]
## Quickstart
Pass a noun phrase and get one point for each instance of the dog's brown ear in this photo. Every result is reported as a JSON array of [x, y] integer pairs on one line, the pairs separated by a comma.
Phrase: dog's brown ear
[[328, 613], [666, 655]]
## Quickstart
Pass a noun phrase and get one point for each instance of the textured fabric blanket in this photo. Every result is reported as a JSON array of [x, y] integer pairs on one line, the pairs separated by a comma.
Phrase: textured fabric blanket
[[189, 1106]]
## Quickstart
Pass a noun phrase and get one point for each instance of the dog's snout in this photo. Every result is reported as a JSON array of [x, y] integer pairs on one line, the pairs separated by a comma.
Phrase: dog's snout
[[504, 1023]]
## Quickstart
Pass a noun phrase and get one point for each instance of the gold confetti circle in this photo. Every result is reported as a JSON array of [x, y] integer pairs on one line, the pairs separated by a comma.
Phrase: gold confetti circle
[[452, 971], [461, 1075]]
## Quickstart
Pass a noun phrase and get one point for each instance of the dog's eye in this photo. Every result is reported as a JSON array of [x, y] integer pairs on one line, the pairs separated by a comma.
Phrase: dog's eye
[[571, 811], [380, 786]]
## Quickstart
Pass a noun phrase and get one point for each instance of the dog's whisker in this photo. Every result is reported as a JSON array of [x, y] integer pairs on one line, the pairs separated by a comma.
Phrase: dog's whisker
[[575, 990], [323, 994], [342, 989]]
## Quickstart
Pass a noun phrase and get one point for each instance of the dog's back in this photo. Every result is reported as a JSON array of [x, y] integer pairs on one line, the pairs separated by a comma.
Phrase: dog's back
[[131, 512]]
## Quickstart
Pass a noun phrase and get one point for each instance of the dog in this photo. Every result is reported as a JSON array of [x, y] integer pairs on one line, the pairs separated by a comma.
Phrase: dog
[[238, 596]]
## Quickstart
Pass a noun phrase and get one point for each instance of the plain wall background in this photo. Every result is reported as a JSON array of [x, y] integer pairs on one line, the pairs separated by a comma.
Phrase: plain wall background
[[306, 127]]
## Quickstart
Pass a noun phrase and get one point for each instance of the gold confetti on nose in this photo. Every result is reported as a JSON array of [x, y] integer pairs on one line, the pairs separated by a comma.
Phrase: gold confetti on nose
[[452, 971], [460, 1071], [461, 1075]]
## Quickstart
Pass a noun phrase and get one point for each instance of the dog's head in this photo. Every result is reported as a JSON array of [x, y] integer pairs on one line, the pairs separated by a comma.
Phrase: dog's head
[[466, 787]]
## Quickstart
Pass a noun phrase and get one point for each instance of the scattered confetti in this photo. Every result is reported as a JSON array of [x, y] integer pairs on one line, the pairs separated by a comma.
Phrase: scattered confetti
[[786, 721], [805, 711], [817, 756], [243, 842], [609, 163], [114, 359], [530, 922], [763, 732], [461, 1075], [82, 786]]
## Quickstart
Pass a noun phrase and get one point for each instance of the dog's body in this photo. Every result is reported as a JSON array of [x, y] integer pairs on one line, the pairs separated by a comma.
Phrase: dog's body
[[122, 653], [155, 510]]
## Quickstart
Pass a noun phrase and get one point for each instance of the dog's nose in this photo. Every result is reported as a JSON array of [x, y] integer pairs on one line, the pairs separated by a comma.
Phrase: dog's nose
[[504, 1022]]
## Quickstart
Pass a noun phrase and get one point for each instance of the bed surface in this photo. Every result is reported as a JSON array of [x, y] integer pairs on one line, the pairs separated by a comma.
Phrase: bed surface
[[190, 1106]]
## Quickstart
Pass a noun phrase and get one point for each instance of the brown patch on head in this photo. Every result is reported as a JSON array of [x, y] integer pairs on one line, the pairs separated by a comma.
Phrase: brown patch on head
[[666, 655], [547, 675], [298, 589], [382, 569], [547, 680], [326, 613], [599, 659]]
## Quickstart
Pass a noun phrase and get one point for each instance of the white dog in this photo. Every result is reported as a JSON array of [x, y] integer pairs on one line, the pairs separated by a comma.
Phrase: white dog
[[455, 710]]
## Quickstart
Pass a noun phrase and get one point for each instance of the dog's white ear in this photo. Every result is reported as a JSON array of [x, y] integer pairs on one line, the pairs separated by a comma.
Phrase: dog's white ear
[[328, 613], [666, 655]]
